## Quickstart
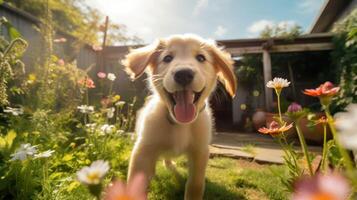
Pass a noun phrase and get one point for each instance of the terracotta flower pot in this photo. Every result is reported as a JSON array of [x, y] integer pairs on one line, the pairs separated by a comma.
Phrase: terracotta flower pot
[[259, 119], [314, 133]]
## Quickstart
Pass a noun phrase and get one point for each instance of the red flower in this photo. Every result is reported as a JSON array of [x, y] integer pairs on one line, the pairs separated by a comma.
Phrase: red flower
[[275, 129], [324, 90], [86, 82], [135, 190]]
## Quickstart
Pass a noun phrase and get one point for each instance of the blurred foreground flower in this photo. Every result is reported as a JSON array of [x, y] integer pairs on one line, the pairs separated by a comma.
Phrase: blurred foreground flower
[[14, 111], [135, 190], [93, 175], [111, 76], [101, 75], [86, 82], [322, 187], [85, 109], [24, 151], [275, 129], [346, 125], [278, 83]]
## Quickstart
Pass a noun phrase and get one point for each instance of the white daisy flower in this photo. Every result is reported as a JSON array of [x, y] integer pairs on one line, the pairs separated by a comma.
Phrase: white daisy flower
[[346, 125], [278, 83], [93, 174], [106, 128], [85, 109], [24, 151], [120, 103], [111, 76], [110, 112], [44, 154], [14, 111]]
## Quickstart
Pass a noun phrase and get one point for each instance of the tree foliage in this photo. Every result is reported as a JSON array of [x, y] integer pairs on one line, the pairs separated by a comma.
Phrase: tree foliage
[[76, 18]]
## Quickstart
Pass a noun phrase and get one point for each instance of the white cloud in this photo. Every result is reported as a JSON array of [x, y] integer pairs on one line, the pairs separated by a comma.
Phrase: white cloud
[[260, 25], [201, 4], [148, 19], [220, 31], [310, 6]]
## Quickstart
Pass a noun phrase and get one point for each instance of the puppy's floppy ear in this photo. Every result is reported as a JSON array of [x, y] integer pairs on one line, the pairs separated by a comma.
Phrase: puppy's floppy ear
[[138, 59], [224, 65]]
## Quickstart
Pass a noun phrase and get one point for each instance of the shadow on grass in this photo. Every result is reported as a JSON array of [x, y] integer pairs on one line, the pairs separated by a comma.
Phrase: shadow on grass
[[167, 187]]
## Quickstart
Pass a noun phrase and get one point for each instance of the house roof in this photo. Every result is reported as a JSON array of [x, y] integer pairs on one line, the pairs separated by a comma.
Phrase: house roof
[[20, 13], [328, 15]]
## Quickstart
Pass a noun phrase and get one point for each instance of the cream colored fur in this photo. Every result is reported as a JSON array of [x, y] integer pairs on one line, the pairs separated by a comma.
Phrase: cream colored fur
[[159, 134]]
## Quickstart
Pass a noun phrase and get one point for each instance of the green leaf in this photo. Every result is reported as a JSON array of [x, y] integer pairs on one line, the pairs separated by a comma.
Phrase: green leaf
[[12, 31], [1, 2], [73, 186]]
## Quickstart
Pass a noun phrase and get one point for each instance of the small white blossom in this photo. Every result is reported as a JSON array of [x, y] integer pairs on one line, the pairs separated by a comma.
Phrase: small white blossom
[[14, 111], [346, 125], [91, 126], [24, 151], [278, 83], [85, 109], [111, 76], [120, 132], [120, 103], [106, 128], [110, 112], [93, 174], [44, 154]]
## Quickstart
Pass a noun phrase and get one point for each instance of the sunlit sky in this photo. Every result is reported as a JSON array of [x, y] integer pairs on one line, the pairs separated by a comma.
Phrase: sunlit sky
[[217, 19]]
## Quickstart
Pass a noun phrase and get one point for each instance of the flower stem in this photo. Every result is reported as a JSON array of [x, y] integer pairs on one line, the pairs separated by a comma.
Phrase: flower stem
[[304, 147], [346, 158], [279, 109], [324, 151]]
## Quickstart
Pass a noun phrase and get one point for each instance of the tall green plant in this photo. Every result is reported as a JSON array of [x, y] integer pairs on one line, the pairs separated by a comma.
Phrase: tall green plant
[[10, 54]]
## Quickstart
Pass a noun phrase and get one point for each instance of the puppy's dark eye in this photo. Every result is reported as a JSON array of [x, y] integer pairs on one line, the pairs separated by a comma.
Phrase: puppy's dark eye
[[200, 58], [168, 58]]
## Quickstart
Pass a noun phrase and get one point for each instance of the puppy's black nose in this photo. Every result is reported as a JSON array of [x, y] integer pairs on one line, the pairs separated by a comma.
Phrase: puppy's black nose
[[184, 76]]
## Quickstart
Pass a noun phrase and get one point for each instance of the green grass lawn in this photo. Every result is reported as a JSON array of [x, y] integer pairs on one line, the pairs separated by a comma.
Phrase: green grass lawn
[[226, 179]]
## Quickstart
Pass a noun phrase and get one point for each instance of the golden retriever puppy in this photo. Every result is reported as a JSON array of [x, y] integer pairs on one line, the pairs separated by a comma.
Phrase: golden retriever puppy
[[182, 73]]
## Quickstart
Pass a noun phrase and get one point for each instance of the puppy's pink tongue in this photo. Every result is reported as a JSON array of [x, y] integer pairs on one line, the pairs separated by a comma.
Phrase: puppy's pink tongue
[[184, 108]]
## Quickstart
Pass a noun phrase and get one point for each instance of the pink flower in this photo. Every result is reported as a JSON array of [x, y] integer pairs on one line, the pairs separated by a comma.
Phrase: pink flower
[[86, 82], [60, 62], [275, 129], [135, 190], [322, 187], [101, 74], [97, 48], [60, 40], [294, 107]]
